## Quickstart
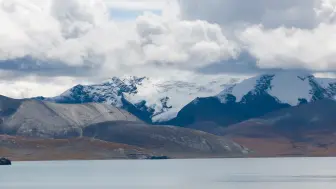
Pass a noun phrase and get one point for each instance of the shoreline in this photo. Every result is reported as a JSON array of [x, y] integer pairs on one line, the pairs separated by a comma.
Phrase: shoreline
[[208, 158]]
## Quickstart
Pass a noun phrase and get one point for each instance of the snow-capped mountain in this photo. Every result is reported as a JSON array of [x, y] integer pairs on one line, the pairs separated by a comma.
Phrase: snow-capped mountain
[[255, 97], [152, 100], [286, 87]]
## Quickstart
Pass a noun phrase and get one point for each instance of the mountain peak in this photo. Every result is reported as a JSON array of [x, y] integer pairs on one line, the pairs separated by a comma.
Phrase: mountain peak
[[286, 86], [159, 99], [126, 79]]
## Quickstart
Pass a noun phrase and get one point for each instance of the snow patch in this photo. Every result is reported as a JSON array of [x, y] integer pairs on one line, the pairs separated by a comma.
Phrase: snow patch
[[286, 86], [179, 94], [165, 116], [289, 87], [239, 90]]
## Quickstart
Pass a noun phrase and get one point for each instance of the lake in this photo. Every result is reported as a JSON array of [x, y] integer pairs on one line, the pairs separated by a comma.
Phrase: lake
[[263, 173]]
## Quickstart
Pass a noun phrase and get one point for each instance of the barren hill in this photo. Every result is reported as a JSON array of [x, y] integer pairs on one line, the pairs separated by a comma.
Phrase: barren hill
[[46, 119]]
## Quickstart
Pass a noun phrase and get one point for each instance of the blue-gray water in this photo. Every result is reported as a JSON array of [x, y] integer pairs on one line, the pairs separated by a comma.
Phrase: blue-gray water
[[278, 173]]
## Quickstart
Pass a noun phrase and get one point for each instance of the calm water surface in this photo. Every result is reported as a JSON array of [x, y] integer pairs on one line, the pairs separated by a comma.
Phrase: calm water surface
[[278, 173]]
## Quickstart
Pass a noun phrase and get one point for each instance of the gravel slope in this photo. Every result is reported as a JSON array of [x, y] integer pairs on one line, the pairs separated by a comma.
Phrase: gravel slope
[[176, 141], [46, 119]]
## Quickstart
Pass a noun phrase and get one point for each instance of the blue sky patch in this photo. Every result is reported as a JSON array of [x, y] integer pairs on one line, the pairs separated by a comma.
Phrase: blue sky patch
[[122, 14]]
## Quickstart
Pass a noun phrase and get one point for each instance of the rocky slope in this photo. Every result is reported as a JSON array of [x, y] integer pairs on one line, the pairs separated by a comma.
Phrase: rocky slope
[[175, 141], [51, 120], [304, 130], [296, 123], [255, 97]]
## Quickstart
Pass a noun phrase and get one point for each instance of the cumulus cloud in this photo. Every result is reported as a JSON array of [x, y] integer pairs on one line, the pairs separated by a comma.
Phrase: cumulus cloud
[[137, 4], [293, 48], [289, 34], [81, 33], [185, 44], [270, 13], [80, 39], [21, 86], [77, 18]]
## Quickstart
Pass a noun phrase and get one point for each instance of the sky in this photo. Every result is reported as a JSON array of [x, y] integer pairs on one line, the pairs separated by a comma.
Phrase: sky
[[47, 46]]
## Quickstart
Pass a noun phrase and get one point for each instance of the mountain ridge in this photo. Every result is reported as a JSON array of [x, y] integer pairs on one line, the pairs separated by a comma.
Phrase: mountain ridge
[[304, 129], [255, 97], [150, 99], [103, 126]]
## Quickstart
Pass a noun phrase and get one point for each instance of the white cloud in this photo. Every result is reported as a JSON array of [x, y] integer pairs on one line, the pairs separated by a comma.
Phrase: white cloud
[[185, 37], [270, 13], [156, 5], [287, 34], [26, 29], [82, 34], [292, 47], [76, 32], [326, 11], [77, 18], [32, 86], [184, 44]]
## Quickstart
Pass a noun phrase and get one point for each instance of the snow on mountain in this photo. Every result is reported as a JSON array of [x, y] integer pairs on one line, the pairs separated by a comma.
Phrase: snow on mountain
[[167, 98], [161, 99], [286, 86], [255, 97]]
